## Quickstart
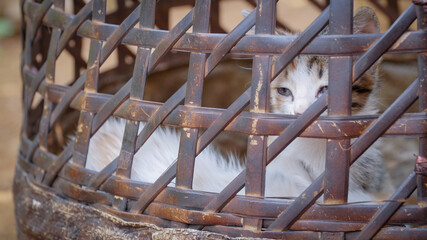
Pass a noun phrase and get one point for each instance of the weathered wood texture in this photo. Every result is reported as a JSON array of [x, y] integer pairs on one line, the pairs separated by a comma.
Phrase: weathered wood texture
[[45, 215], [58, 198]]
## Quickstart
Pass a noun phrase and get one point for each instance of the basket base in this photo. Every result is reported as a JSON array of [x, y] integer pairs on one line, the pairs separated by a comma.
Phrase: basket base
[[40, 214]]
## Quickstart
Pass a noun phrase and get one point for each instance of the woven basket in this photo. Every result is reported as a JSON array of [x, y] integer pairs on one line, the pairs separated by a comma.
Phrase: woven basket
[[57, 197]]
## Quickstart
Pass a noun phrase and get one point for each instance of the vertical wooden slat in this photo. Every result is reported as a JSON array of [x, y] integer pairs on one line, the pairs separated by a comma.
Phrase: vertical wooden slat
[[81, 144], [339, 99], [44, 128], [127, 151], [26, 58], [259, 103], [30, 52], [196, 75], [49, 79]]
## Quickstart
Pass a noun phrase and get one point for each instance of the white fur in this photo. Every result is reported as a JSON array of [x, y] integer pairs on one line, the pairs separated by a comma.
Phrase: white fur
[[285, 176], [212, 171], [157, 154]]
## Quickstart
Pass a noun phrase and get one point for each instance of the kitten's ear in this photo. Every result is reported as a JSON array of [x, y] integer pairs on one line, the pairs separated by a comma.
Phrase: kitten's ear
[[365, 21]]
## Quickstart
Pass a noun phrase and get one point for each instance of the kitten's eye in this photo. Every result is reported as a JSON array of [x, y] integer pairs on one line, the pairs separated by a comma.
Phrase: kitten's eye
[[322, 90], [284, 92]]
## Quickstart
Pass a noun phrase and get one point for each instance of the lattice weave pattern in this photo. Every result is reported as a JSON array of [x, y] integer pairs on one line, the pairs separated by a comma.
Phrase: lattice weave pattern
[[52, 108]]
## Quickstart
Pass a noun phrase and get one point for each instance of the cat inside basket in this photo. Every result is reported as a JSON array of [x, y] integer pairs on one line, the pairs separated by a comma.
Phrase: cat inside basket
[[295, 168]]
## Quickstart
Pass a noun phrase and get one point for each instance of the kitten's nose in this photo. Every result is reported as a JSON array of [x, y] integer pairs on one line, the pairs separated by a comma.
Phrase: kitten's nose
[[300, 107]]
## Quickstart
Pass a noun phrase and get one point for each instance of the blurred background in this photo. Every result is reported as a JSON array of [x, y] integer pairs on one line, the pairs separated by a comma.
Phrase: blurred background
[[10, 109], [398, 72]]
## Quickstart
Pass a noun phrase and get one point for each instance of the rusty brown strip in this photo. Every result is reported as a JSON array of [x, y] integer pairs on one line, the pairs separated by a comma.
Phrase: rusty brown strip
[[134, 217], [339, 104], [264, 45], [192, 217], [267, 123], [44, 127], [268, 208], [81, 145], [193, 97], [411, 41], [259, 102], [76, 192], [127, 151]]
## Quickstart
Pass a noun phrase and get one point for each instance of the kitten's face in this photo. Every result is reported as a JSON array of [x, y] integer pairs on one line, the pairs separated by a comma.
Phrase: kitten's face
[[299, 85], [306, 78]]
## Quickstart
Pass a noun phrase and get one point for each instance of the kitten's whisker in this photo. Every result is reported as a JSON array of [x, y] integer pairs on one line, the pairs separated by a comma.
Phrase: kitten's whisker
[[245, 68]]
